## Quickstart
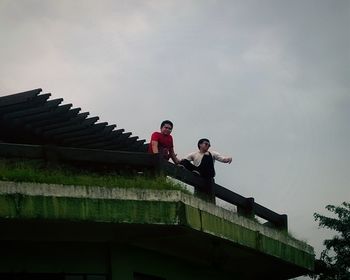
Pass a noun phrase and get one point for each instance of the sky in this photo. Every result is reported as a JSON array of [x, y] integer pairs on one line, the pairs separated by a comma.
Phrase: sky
[[266, 81]]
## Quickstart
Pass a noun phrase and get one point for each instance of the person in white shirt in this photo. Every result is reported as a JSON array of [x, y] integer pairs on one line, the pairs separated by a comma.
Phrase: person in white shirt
[[202, 161]]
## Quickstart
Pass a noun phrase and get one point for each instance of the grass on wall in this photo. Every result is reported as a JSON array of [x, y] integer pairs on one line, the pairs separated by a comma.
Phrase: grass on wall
[[37, 171]]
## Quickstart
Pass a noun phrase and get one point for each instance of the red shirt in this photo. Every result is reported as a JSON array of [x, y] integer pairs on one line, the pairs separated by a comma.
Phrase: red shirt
[[165, 144]]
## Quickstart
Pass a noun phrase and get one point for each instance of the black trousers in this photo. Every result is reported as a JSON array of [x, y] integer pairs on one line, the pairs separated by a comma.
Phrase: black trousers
[[207, 172], [206, 167]]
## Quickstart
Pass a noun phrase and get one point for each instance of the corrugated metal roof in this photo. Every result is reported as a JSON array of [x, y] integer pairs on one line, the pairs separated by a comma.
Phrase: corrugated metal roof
[[31, 118]]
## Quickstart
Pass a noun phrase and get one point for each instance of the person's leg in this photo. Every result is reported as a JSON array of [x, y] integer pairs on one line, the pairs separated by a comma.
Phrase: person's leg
[[206, 168], [188, 165], [207, 191]]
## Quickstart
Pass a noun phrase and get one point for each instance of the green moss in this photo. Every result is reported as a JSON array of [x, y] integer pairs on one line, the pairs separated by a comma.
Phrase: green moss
[[287, 252], [228, 230], [81, 209], [24, 207], [191, 216]]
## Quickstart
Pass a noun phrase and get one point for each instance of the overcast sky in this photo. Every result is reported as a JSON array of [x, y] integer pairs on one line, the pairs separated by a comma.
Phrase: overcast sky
[[266, 81]]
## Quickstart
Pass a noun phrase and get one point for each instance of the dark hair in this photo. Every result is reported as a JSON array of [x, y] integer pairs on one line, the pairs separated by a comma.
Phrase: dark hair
[[166, 122], [202, 140]]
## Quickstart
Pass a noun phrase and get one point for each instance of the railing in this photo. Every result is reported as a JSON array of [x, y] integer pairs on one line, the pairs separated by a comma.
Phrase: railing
[[245, 205]]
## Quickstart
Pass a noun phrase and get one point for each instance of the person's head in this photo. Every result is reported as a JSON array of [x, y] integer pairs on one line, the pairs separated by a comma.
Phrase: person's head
[[203, 144], [166, 127]]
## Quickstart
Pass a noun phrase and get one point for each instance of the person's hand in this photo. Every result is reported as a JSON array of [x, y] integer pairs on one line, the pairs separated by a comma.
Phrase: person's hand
[[228, 160]]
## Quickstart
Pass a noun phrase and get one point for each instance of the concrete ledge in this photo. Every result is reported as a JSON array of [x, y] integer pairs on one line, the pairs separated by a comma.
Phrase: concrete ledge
[[142, 206]]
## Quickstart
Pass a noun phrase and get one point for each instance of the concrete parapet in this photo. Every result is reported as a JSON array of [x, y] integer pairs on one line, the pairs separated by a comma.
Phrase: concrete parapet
[[174, 209]]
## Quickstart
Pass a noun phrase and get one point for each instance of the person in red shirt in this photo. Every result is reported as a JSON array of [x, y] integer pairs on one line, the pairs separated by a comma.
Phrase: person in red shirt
[[162, 142]]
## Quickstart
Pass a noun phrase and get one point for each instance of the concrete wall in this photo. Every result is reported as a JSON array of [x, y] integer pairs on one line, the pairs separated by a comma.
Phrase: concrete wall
[[75, 229], [113, 260]]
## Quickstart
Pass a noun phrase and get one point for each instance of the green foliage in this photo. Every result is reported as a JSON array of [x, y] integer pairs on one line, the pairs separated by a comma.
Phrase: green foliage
[[37, 171], [335, 259]]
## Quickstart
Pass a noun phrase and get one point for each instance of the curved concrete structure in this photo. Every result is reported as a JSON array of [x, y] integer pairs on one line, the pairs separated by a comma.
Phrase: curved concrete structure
[[129, 234]]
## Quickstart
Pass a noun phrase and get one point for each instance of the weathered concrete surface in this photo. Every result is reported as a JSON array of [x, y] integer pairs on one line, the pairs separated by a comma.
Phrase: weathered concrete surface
[[244, 241]]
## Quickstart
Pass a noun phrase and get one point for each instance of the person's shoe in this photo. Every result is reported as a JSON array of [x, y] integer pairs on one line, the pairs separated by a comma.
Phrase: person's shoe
[[196, 172]]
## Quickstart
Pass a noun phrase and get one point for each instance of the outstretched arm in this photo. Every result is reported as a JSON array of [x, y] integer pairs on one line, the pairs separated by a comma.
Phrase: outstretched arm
[[221, 158], [227, 160]]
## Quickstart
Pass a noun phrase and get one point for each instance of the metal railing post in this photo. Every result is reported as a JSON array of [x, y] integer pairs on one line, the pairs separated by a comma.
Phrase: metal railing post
[[248, 208]]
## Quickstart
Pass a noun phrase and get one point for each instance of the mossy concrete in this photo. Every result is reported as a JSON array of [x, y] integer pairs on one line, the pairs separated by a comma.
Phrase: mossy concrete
[[168, 222]]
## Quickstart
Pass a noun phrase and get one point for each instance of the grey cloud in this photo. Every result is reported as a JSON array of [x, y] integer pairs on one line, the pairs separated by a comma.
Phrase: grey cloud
[[267, 82]]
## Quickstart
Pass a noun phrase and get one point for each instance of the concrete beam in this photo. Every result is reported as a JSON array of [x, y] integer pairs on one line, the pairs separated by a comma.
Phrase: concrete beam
[[197, 219]]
